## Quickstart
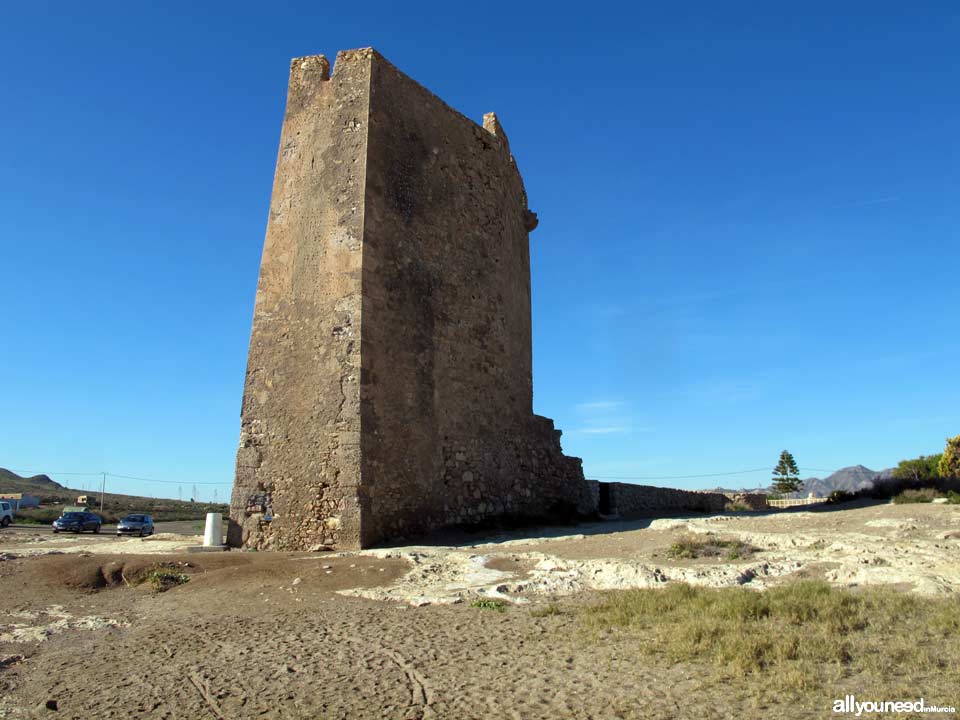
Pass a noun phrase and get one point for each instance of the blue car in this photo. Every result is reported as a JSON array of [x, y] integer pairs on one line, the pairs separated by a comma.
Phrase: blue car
[[77, 522]]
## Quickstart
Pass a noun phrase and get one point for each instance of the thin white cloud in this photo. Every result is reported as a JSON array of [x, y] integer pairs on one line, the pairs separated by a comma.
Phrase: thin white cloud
[[613, 430], [601, 311], [599, 405], [722, 392], [878, 201], [606, 417]]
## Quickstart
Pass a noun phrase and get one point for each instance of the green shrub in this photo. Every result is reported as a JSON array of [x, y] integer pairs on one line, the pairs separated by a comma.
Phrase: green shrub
[[489, 604], [949, 464], [37, 516], [165, 578], [692, 547], [162, 576], [923, 495]]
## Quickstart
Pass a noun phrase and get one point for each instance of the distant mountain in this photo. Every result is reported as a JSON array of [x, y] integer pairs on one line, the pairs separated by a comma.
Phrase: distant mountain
[[757, 489], [850, 479], [10, 482]]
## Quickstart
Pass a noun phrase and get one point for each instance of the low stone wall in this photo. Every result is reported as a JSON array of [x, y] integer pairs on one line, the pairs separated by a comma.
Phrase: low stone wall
[[754, 501], [626, 499], [589, 497]]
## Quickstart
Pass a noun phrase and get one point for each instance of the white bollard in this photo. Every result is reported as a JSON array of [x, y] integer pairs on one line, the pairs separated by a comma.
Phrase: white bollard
[[213, 533]]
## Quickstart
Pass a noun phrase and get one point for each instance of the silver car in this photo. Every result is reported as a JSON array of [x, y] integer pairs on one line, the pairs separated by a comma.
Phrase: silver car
[[135, 525]]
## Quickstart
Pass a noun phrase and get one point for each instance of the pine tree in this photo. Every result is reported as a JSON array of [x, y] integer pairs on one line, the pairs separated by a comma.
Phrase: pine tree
[[786, 475]]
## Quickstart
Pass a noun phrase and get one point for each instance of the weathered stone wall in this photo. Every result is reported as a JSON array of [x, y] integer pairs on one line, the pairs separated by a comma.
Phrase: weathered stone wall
[[298, 465], [626, 499], [389, 386], [589, 504], [754, 501], [449, 434]]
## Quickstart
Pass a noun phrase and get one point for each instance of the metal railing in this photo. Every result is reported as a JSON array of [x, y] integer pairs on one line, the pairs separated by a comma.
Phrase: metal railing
[[795, 502]]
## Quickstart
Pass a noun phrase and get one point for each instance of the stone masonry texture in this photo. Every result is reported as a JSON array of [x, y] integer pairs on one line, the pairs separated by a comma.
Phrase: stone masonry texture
[[639, 500], [389, 380]]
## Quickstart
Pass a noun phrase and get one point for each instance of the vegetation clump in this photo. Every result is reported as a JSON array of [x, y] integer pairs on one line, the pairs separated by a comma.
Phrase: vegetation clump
[[489, 604], [927, 474], [164, 576], [920, 470], [796, 636], [548, 610], [949, 463], [37, 515], [923, 495], [690, 548]]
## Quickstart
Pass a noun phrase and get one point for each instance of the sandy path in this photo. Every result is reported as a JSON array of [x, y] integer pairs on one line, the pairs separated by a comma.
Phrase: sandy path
[[339, 658], [279, 635]]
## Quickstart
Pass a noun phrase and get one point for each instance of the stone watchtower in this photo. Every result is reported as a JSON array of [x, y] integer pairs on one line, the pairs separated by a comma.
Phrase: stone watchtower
[[389, 385]]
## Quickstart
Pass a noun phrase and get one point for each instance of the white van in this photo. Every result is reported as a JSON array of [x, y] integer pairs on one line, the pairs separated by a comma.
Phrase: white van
[[6, 513]]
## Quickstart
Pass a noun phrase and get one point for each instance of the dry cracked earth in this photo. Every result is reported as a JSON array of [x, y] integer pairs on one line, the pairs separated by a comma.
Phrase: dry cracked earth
[[394, 633]]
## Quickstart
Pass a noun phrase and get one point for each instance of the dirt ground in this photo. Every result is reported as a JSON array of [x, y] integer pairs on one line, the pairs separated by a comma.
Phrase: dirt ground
[[393, 633]]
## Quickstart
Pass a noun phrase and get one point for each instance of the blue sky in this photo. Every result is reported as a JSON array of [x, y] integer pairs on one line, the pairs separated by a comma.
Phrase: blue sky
[[749, 235]]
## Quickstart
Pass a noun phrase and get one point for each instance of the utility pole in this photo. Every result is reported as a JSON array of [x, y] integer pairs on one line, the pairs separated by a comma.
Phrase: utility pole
[[103, 486]]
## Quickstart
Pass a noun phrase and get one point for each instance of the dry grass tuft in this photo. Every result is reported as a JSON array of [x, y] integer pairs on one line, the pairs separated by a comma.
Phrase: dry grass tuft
[[797, 636], [692, 547], [548, 610], [923, 495]]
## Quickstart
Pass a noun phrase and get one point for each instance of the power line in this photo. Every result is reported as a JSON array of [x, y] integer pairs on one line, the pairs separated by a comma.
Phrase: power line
[[28, 473], [692, 477], [170, 482], [679, 477]]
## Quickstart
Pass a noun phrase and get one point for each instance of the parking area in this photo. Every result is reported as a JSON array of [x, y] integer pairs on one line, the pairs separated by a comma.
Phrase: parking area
[[178, 527], [33, 540]]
